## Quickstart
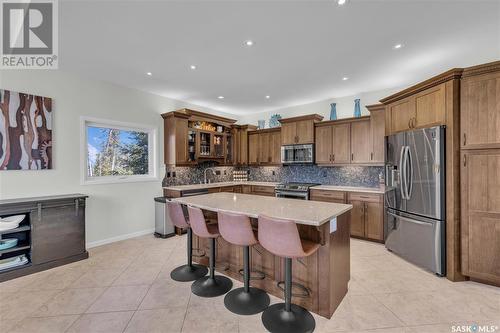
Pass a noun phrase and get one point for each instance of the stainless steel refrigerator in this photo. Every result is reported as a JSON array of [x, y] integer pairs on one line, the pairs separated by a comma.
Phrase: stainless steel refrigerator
[[415, 203]]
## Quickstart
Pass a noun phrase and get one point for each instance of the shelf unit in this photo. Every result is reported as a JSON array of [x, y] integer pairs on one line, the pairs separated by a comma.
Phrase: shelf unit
[[23, 234]]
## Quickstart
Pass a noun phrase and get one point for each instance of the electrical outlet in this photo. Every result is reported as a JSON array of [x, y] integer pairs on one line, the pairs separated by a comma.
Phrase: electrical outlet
[[324, 173], [217, 172], [173, 174], [225, 172], [168, 174], [274, 173]]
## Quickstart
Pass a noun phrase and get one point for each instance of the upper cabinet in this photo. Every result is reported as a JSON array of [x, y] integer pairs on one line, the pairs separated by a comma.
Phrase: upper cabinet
[[377, 129], [264, 147], [423, 105], [191, 136], [240, 146], [298, 130], [352, 140], [480, 111], [361, 148]]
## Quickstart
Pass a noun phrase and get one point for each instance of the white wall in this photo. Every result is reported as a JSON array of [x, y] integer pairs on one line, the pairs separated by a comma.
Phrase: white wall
[[113, 210], [345, 107]]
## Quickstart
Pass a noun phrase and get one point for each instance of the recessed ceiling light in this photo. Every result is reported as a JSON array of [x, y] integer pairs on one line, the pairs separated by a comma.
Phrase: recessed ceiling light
[[268, 96], [193, 67], [341, 2], [345, 78], [220, 97], [149, 73], [397, 46], [249, 42]]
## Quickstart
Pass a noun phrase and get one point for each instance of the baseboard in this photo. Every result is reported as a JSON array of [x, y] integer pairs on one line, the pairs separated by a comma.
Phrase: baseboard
[[119, 238]]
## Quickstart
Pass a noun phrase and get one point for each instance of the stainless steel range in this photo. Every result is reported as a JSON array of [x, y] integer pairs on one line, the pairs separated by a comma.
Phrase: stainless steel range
[[293, 190]]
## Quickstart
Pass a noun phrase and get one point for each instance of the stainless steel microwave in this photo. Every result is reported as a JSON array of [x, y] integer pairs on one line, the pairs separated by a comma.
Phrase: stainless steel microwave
[[297, 154]]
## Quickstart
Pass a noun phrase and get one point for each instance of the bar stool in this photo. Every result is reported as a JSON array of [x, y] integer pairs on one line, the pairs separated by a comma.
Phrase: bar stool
[[281, 238], [237, 230], [211, 285], [189, 272]]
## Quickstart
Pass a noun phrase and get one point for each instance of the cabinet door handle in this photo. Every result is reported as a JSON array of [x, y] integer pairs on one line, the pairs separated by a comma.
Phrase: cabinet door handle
[[333, 158], [465, 139], [352, 156], [465, 160], [409, 123], [371, 156], [330, 157]]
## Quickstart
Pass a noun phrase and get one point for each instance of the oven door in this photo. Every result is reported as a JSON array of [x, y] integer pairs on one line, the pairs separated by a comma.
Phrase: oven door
[[292, 194]]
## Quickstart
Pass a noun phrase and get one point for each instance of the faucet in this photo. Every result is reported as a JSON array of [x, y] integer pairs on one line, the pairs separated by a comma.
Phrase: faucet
[[205, 175]]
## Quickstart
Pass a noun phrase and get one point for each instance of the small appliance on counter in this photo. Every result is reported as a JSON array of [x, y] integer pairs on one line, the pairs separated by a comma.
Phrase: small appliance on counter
[[415, 205], [164, 227]]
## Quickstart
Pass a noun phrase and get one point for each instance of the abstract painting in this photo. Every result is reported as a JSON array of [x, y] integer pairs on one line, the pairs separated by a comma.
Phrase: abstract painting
[[25, 131]]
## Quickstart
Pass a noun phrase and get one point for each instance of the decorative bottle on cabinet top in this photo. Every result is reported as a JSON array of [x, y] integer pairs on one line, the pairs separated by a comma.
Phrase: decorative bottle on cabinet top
[[357, 108]]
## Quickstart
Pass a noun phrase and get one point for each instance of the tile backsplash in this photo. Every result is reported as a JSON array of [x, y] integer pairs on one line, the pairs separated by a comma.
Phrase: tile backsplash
[[366, 176]]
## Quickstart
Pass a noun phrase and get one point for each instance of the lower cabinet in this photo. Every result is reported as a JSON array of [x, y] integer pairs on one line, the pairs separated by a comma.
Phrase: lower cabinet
[[58, 230], [367, 216], [480, 224]]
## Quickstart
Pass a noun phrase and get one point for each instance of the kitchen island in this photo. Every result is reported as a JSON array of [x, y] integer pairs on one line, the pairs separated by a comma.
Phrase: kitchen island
[[324, 275]]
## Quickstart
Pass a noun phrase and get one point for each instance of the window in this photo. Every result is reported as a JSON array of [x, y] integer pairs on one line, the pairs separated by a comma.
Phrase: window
[[117, 152]]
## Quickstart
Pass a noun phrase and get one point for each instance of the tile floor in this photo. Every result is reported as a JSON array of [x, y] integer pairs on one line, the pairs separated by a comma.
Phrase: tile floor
[[126, 287]]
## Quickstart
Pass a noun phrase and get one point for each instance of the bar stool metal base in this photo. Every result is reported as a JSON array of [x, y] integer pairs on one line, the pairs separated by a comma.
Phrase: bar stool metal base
[[247, 303], [187, 273], [298, 320], [211, 287]]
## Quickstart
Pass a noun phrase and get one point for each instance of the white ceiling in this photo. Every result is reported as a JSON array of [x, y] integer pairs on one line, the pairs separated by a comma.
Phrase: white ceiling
[[302, 48]]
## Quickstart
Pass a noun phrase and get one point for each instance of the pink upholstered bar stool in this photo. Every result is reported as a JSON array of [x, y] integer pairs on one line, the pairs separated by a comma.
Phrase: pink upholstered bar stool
[[237, 230], [281, 238], [189, 272], [211, 285]]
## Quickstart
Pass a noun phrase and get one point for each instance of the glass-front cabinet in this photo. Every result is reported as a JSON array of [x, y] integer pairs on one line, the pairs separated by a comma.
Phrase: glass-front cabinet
[[218, 146], [205, 144], [192, 145]]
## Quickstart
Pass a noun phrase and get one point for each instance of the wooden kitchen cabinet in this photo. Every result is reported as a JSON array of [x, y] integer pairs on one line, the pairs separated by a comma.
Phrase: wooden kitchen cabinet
[[480, 111], [361, 142], [298, 130], [328, 195], [264, 147], [333, 143], [425, 108], [240, 134], [367, 217], [191, 136], [430, 107], [480, 223], [377, 129], [253, 148], [401, 114], [264, 156]]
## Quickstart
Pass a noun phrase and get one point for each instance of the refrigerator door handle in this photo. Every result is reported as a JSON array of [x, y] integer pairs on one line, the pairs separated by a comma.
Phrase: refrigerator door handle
[[409, 181], [402, 173], [407, 219]]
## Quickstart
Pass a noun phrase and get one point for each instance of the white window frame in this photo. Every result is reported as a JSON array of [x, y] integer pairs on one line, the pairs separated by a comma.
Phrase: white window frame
[[106, 123]]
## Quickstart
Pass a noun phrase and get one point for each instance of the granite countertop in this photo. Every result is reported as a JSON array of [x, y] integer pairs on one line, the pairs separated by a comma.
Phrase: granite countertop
[[313, 213], [220, 184], [378, 190]]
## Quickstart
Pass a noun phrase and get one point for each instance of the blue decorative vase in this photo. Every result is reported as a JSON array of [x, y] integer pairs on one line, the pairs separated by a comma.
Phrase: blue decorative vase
[[261, 124], [357, 108], [333, 111], [274, 121]]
